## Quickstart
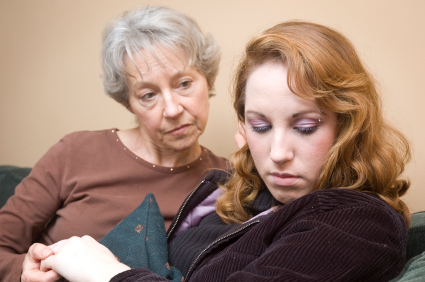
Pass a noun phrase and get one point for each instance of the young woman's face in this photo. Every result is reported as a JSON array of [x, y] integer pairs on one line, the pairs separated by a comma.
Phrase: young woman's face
[[288, 136]]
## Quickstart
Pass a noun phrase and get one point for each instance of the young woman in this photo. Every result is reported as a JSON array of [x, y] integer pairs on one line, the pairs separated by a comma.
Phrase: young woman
[[315, 194]]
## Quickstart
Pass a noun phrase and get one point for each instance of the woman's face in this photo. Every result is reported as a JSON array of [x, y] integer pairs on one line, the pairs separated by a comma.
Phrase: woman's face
[[288, 136], [169, 99]]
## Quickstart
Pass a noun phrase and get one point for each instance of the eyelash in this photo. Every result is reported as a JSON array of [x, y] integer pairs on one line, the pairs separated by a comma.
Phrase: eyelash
[[261, 129], [302, 130], [306, 130]]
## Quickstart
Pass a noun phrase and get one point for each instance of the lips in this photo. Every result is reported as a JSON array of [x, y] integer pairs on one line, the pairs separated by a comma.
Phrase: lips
[[284, 179], [178, 130]]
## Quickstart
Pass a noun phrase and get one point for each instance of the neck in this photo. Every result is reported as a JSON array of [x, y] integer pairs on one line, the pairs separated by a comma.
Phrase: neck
[[151, 152]]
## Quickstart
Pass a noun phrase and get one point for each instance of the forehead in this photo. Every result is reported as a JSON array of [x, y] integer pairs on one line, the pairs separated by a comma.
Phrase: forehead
[[267, 82], [267, 74], [267, 89], [159, 60]]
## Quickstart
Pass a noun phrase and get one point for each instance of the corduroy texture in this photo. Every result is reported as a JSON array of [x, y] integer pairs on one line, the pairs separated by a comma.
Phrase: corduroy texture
[[327, 235], [187, 246], [139, 240]]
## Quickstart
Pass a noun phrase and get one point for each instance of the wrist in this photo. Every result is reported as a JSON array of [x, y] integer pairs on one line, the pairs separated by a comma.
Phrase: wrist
[[111, 271]]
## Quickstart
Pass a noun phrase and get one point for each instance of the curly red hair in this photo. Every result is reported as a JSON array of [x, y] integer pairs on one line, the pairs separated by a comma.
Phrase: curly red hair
[[368, 155]]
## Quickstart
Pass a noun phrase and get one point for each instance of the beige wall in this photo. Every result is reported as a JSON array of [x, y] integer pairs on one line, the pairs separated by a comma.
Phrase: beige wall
[[50, 66]]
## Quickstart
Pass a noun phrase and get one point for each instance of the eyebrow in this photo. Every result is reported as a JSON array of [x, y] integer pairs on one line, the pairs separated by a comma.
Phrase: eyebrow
[[304, 112], [145, 83], [256, 113], [293, 116]]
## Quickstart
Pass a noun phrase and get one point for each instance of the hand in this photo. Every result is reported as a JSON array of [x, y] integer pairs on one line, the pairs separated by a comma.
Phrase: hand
[[83, 259], [31, 271]]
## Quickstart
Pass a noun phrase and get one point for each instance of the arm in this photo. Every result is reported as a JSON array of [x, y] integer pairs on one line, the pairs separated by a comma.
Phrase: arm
[[345, 245], [26, 213]]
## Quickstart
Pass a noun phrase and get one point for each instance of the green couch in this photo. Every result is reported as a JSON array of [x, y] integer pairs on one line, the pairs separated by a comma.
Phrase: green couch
[[414, 270]]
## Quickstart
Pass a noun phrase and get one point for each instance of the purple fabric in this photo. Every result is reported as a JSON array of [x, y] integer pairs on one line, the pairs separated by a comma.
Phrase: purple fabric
[[204, 208]]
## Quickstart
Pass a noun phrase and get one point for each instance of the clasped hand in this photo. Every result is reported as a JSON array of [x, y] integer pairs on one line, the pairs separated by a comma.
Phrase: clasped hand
[[76, 259]]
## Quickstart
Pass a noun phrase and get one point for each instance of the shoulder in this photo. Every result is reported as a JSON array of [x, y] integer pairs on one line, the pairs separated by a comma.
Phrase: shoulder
[[341, 212], [216, 161], [331, 234], [344, 200], [82, 144], [87, 135], [218, 176], [88, 141], [343, 204]]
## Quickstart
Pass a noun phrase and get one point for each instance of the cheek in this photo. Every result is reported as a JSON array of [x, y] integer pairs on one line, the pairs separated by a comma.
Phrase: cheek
[[319, 150], [199, 109], [259, 149], [149, 119]]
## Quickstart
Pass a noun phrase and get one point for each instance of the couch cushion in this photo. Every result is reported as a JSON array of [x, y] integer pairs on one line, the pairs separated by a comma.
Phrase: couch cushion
[[416, 239], [10, 176], [413, 271]]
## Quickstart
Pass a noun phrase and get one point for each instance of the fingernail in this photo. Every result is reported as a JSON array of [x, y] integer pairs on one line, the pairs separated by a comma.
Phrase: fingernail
[[45, 252]]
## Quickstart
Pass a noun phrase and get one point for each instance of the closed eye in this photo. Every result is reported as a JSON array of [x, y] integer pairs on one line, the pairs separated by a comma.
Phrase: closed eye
[[306, 125], [261, 129], [306, 130]]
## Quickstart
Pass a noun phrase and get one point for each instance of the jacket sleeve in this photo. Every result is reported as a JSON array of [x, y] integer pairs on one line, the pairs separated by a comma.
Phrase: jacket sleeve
[[138, 275], [26, 213], [354, 244]]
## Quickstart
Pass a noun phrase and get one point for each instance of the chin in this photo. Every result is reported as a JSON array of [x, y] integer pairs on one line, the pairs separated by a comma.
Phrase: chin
[[182, 145], [286, 196]]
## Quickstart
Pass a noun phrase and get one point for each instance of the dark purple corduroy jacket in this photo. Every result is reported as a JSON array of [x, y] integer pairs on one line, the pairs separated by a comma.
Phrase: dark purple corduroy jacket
[[327, 235]]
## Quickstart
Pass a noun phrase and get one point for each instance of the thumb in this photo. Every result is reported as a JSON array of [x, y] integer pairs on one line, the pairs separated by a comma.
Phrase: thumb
[[39, 252], [31, 265]]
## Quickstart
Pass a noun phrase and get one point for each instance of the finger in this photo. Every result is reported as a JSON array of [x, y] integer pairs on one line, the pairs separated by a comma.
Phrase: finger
[[48, 263], [35, 254], [88, 238], [39, 252], [51, 276], [39, 276], [56, 247]]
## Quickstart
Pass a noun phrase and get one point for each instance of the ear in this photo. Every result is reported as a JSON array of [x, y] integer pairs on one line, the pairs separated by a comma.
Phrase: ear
[[240, 136]]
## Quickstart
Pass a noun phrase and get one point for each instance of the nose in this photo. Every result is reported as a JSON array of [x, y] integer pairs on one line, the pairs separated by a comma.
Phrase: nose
[[172, 106], [282, 148]]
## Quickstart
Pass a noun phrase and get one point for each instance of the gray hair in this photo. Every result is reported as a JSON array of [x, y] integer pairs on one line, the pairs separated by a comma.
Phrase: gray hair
[[149, 27]]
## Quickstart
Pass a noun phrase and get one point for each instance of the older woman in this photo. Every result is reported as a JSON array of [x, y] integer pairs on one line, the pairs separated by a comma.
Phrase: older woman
[[315, 195], [159, 65]]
